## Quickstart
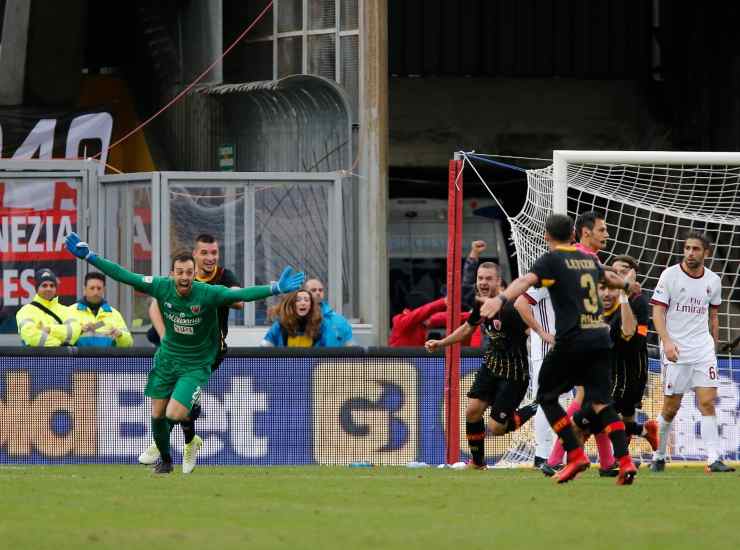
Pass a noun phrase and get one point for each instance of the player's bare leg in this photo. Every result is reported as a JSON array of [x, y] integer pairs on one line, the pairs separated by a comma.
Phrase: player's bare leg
[[705, 398], [475, 431], [671, 405]]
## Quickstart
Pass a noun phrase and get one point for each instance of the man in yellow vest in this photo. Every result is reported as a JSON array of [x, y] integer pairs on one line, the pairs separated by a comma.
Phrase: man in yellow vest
[[44, 322], [100, 323]]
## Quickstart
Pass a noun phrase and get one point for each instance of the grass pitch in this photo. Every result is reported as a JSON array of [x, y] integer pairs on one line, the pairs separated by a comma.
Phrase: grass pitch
[[378, 508]]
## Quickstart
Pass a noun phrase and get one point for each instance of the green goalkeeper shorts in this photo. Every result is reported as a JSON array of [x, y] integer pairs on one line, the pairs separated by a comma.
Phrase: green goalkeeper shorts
[[168, 381]]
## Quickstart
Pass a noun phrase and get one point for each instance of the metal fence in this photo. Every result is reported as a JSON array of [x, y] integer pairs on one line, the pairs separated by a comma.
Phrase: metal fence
[[263, 222]]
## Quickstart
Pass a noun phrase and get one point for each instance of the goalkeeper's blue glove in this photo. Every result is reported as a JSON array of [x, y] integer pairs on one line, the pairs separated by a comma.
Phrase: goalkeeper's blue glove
[[289, 281], [79, 248]]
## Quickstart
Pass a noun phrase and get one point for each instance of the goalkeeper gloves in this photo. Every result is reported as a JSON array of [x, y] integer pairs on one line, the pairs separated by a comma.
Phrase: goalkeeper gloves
[[79, 248], [289, 281]]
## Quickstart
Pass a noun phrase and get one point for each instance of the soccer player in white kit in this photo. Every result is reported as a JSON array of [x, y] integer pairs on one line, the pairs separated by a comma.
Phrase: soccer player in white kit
[[685, 304], [535, 308]]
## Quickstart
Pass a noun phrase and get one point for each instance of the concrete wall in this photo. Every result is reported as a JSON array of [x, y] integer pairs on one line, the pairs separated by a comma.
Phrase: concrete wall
[[13, 51], [430, 118]]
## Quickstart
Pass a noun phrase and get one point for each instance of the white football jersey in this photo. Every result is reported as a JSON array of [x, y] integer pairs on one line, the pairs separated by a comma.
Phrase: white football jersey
[[545, 315], [687, 301]]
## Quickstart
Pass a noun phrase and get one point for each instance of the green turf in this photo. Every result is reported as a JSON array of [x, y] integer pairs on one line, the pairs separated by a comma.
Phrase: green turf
[[337, 507]]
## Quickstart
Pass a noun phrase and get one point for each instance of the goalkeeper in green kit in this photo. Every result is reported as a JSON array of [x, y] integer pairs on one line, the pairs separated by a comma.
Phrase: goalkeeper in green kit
[[182, 363]]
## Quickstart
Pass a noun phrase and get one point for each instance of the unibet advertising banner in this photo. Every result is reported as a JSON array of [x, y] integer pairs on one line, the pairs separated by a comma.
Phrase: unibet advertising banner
[[279, 410]]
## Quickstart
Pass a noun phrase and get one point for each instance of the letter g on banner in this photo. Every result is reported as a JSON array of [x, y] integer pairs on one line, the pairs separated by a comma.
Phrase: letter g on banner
[[364, 411]]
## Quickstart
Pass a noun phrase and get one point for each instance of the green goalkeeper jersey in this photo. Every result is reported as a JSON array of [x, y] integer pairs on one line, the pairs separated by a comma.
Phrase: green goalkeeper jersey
[[192, 333]]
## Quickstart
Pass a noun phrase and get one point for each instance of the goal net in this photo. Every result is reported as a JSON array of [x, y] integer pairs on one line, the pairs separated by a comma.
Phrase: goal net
[[651, 200]]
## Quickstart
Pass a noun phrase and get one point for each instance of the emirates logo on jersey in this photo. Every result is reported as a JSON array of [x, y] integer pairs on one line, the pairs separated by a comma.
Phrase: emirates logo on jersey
[[195, 309]]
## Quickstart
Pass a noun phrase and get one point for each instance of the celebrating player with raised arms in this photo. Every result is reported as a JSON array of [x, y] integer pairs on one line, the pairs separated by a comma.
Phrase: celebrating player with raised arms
[[183, 361], [685, 304], [580, 356], [503, 378], [207, 270]]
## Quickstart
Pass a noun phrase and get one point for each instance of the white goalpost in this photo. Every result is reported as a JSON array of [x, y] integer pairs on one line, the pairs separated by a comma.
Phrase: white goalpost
[[651, 200]]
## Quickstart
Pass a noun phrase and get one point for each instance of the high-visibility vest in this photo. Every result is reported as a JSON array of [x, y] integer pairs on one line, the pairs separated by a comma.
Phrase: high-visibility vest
[[106, 320], [31, 321]]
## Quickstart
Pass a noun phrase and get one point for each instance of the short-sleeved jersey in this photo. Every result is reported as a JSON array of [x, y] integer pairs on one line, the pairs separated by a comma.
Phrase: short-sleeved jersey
[[539, 299], [629, 353], [506, 351], [571, 278], [192, 332], [687, 300], [224, 277]]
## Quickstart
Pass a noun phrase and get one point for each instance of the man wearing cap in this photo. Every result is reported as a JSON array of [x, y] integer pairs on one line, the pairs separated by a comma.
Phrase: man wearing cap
[[44, 322]]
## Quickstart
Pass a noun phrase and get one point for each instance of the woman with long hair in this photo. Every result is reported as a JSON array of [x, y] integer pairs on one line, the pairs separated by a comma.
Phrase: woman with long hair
[[298, 322]]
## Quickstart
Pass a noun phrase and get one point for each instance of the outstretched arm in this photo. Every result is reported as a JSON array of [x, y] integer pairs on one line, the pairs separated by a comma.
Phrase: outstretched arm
[[142, 283], [461, 333], [518, 287], [227, 296], [289, 281], [81, 250]]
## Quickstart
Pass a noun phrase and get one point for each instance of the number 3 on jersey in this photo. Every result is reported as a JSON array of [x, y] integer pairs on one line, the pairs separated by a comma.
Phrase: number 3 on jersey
[[591, 301]]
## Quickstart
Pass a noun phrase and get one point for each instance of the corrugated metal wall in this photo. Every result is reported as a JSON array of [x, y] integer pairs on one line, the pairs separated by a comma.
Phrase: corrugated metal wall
[[527, 38]]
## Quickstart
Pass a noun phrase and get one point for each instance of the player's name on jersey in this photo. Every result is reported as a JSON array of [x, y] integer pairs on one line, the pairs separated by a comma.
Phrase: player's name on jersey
[[573, 263], [592, 321]]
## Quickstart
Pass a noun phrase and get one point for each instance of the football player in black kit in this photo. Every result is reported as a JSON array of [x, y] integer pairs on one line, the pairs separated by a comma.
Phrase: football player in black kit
[[628, 318], [502, 380], [580, 356]]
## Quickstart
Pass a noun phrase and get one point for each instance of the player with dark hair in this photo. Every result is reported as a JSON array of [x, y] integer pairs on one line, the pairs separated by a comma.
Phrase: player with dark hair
[[629, 355], [627, 328], [184, 360], [685, 314], [591, 230], [580, 356], [206, 255], [591, 237], [503, 377]]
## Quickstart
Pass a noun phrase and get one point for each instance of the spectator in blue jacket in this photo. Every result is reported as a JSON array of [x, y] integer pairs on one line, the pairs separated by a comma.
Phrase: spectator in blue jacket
[[339, 330], [298, 323]]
